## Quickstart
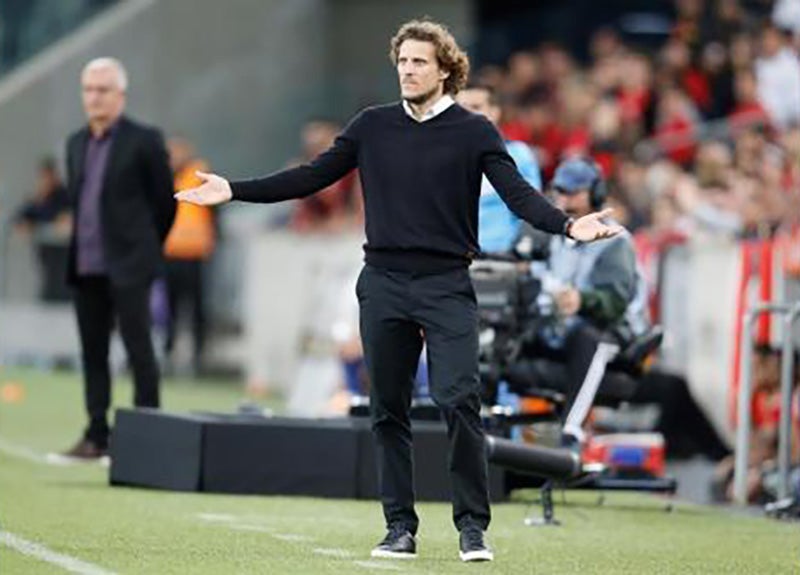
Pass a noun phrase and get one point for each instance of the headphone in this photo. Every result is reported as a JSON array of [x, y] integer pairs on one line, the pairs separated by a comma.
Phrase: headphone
[[598, 191], [597, 188]]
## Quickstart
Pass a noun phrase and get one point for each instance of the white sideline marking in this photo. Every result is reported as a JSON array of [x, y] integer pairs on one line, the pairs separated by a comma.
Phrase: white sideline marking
[[256, 528], [332, 552], [21, 452], [232, 522], [260, 519], [217, 517], [291, 537], [377, 565], [52, 459], [42, 553]]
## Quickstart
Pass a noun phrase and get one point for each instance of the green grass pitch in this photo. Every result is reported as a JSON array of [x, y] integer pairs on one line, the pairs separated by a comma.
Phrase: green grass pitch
[[72, 511]]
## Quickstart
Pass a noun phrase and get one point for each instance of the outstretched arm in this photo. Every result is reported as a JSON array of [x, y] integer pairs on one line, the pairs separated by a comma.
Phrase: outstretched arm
[[298, 182], [530, 205]]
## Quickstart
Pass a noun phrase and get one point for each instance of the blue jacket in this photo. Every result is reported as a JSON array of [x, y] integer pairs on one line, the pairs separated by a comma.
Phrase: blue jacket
[[498, 227]]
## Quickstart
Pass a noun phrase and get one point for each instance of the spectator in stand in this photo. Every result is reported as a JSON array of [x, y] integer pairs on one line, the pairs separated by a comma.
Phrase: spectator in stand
[[790, 142], [605, 125], [742, 52], [188, 247], [786, 16], [688, 28], [536, 125], [47, 219], [716, 68], [338, 206], [606, 45], [747, 110], [678, 69], [524, 74], [634, 94], [729, 19], [576, 99], [778, 76], [676, 121], [712, 209], [557, 66], [765, 408]]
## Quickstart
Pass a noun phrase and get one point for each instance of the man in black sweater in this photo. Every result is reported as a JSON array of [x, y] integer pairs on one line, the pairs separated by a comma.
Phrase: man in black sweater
[[420, 162]]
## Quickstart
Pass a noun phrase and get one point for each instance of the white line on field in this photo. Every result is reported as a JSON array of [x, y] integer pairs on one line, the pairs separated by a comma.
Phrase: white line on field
[[258, 519], [42, 553], [54, 459], [217, 517], [377, 565], [21, 452], [232, 522], [256, 528], [332, 552], [291, 537]]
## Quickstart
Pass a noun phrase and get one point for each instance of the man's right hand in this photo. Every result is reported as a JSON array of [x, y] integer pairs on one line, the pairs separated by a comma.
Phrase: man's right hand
[[213, 191]]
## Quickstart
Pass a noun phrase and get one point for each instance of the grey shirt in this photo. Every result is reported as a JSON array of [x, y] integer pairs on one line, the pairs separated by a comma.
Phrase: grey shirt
[[91, 255]]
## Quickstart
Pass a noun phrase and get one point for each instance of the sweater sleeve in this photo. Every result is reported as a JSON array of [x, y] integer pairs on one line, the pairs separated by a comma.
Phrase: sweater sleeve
[[524, 200], [306, 179]]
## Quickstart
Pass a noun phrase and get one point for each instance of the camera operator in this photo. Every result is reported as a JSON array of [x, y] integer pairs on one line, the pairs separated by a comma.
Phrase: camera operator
[[595, 293]]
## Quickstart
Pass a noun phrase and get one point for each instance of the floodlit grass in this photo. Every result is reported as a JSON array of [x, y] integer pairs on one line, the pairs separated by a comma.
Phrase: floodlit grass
[[72, 511]]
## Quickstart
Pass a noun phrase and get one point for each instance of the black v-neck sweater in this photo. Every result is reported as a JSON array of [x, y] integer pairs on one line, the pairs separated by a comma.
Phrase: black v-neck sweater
[[421, 183]]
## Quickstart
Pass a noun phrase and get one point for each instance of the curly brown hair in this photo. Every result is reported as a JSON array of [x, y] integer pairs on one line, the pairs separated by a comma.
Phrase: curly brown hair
[[450, 57]]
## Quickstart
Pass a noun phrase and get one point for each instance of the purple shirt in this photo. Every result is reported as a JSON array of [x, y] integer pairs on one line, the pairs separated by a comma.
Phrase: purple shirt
[[91, 255]]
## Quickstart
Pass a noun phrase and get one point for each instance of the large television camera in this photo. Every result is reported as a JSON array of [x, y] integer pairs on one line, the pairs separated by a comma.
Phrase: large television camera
[[508, 314], [515, 301]]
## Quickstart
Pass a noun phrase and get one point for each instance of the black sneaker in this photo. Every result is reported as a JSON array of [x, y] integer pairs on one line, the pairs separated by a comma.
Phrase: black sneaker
[[472, 547], [399, 543]]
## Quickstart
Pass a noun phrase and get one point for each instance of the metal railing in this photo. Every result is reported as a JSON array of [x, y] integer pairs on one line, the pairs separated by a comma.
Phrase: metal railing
[[789, 313]]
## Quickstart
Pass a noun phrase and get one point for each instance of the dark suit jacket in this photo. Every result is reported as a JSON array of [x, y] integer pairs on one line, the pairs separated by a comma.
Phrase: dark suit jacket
[[137, 207]]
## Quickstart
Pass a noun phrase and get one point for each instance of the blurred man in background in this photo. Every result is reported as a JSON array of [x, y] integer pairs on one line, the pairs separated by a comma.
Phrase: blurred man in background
[[46, 218], [189, 246], [120, 183], [498, 227]]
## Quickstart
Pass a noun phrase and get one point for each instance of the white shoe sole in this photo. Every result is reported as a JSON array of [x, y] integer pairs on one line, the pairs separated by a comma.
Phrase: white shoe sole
[[64, 460], [383, 554], [482, 555]]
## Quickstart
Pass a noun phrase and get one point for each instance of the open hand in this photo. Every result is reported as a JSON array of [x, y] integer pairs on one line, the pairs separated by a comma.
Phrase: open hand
[[591, 227], [214, 190]]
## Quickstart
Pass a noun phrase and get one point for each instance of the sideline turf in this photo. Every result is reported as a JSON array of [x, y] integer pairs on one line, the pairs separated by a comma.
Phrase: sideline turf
[[72, 510]]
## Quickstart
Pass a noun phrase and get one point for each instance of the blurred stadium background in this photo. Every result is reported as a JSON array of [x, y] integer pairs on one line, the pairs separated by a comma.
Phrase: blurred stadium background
[[691, 108]]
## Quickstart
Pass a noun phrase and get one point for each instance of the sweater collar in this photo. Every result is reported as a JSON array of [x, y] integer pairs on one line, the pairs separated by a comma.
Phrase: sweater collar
[[440, 106]]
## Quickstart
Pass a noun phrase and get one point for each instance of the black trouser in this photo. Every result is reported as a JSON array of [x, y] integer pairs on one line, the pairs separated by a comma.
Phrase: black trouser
[[99, 304], [53, 266], [185, 290], [395, 308]]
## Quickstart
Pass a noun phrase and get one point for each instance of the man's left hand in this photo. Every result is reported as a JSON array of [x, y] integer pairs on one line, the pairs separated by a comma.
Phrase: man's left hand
[[591, 227]]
